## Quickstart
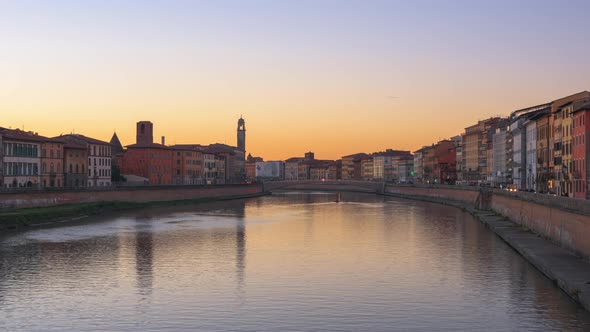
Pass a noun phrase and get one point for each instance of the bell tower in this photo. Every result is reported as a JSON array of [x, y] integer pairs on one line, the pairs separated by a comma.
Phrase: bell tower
[[145, 132], [241, 134]]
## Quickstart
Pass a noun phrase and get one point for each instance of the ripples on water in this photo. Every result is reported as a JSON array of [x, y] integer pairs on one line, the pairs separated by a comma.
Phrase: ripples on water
[[287, 262]]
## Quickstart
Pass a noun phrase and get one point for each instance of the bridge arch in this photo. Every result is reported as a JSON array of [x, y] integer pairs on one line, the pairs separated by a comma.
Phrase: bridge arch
[[350, 186]]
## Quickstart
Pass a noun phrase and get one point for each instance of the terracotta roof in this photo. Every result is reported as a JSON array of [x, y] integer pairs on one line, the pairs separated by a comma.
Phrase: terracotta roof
[[86, 139], [193, 147], [148, 146], [74, 145], [356, 155], [391, 153], [582, 106], [29, 136], [295, 160]]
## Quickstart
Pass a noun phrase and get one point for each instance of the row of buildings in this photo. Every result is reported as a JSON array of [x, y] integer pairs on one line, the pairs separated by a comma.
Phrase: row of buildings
[[30, 160], [389, 165], [542, 148]]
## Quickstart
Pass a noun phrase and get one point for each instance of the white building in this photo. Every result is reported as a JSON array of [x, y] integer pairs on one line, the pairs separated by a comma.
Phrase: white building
[[499, 169], [458, 143], [21, 159], [531, 154], [517, 157], [270, 170]]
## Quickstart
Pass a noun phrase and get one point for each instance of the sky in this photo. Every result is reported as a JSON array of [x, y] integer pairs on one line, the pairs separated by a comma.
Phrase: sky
[[332, 77]]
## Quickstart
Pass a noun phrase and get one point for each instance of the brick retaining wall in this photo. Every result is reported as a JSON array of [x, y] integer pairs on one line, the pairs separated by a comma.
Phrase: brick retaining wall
[[139, 194]]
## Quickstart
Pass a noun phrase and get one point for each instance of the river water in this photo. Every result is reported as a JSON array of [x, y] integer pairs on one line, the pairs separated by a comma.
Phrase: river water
[[286, 262]]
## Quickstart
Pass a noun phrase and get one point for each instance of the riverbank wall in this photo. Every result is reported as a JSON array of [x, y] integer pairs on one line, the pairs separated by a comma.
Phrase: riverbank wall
[[548, 231], [35, 199], [25, 209], [564, 221]]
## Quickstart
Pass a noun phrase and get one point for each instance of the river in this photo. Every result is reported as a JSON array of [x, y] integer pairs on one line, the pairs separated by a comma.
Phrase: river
[[286, 262]]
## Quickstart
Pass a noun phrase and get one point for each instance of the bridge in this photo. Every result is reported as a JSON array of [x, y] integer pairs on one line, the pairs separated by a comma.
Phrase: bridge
[[350, 186]]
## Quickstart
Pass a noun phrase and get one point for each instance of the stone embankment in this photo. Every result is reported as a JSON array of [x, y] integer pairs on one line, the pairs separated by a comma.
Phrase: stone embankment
[[30, 199], [19, 209], [550, 232]]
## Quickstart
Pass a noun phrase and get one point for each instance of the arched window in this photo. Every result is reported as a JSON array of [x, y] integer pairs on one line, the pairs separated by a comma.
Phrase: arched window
[[44, 168], [51, 168], [59, 169], [76, 168], [71, 168]]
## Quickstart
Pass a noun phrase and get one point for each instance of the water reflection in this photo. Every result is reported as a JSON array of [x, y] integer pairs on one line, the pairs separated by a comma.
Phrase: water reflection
[[144, 255], [290, 261]]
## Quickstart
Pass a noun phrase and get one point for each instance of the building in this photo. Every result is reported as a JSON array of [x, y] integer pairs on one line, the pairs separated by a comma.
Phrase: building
[[75, 165], [560, 125], [530, 126], [321, 170], [498, 173], [544, 180], [234, 161], [402, 168], [99, 158], [270, 170], [419, 165], [251, 166], [367, 170], [148, 159], [477, 141], [458, 142], [187, 164], [382, 164], [351, 166], [581, 149], [520, 151], [241, 135], [52, 170], [292, 168], [21, 158], [210, 168], [439, 163]]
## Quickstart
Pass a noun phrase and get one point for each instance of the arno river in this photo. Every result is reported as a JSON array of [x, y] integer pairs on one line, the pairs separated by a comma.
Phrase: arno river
[[286, 262]]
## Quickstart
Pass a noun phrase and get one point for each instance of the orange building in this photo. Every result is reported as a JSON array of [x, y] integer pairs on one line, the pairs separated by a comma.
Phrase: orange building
[[251, 166], [188, 164], [75, 164], [147, 159], [52, 172]]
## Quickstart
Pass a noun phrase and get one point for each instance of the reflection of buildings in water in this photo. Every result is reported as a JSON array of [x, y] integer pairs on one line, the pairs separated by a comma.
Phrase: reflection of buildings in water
[[48, 264], [240, 251], [144, 256]]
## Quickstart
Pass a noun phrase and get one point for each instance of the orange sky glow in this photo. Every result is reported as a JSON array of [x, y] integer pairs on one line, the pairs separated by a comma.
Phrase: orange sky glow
[[331, 78]]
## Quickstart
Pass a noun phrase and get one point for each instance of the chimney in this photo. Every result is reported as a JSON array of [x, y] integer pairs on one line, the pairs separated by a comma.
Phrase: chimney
[[163, 140]]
